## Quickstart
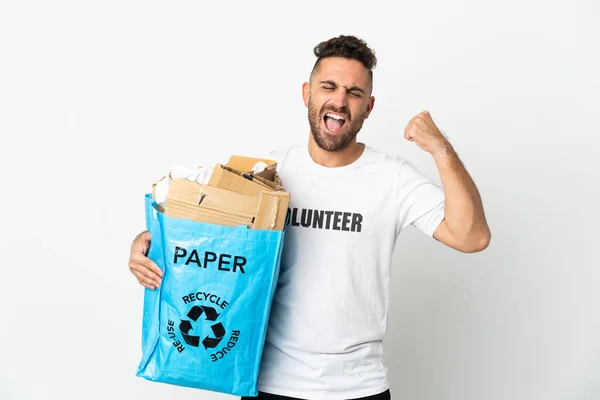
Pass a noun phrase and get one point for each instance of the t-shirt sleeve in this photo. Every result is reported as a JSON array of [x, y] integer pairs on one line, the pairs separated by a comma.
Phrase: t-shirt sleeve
[[420, 200]]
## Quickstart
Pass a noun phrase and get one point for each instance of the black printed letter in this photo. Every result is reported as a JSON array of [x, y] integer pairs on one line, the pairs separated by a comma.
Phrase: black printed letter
[[306, 220], [356, 222], [179, 252], [223, 262], [211, 259], [294, 216], [239, 262], [337, 216], [193, 258], [318, 219], [346, 221], [328, 213]]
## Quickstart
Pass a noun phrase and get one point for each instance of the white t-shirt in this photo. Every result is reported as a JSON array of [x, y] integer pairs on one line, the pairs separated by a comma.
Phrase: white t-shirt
[[329, 313]]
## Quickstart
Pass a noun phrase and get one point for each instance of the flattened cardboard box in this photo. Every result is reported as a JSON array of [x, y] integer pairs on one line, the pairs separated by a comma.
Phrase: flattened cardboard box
[[225, 177], [232, 197], [237, 175], [208, 204]]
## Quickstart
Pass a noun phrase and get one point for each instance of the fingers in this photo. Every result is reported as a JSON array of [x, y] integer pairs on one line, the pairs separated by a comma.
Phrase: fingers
[[153, 268], [150, 269], [413, 125], [141, 244], [147, 283], [409, 132], [144, 269]]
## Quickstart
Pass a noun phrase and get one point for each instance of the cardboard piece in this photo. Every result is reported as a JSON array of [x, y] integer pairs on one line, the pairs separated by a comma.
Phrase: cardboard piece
[[245, 164], [272, 210], [233, 196], [225, 177], [204, 203]]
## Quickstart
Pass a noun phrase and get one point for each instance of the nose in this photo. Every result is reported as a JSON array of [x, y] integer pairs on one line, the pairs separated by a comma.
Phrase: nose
[[339, 98]]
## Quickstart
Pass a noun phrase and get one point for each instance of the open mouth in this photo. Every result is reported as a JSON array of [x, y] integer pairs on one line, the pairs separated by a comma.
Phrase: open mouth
[[334, 122]]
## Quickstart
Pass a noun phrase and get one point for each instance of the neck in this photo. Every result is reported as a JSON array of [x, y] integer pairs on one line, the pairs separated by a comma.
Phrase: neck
[[339, 158]]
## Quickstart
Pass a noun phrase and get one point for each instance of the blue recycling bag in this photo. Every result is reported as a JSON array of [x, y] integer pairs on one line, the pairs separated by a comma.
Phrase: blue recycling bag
[[205, 326]]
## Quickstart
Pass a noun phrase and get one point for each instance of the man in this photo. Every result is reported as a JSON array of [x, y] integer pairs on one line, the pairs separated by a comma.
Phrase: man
[[349, 203]]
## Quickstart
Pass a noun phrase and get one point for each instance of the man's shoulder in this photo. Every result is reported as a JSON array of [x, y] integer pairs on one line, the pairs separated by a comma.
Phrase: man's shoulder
[[279, 156], [397, 166], [389, 161]]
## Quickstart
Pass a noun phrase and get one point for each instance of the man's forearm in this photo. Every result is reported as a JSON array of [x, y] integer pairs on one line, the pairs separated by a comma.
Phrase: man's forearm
[[464, 227], [464, 214]]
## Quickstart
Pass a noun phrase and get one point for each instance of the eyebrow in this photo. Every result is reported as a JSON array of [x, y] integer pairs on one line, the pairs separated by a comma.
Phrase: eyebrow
[[352, 88]]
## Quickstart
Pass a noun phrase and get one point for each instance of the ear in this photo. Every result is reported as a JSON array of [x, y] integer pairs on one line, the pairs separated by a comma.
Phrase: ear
[[370, 106], [306, 92]]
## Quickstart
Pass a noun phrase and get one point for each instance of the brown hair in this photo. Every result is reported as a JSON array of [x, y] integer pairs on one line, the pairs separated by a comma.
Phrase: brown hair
[[349, 47]]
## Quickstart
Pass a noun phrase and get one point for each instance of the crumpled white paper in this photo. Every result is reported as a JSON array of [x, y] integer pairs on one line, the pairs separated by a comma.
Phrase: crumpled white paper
[[259, 167], [200, 175]]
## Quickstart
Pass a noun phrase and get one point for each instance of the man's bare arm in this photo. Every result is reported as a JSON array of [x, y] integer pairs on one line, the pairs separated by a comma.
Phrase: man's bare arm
[[464, 227]]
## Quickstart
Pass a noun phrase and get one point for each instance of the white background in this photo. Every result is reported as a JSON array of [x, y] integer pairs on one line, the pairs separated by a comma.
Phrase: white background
[[99, 99]]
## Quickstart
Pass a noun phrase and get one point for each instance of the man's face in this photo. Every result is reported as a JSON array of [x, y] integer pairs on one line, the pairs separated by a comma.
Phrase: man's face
[[338, 100]]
